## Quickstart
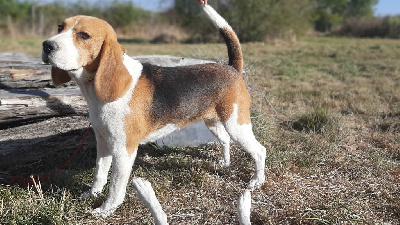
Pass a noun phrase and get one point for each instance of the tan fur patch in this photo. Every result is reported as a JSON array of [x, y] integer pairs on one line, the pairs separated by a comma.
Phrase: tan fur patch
[[138, 123], [89, 49], [209, 113], [112, 79], [237, 94], [234, 49]]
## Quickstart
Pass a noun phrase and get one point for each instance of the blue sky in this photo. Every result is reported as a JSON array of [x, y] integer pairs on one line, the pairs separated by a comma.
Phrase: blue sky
[[387, 7], [155, 5]]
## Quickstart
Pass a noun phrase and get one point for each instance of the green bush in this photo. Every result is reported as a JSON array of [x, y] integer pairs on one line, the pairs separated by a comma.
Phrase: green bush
[[393, 26], [329, 14], [42, 19], [252, 20], [382, 27]]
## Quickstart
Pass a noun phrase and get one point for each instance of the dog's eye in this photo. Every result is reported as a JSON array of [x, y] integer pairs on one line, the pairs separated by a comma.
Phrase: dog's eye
[[60, 28], [83, 35]]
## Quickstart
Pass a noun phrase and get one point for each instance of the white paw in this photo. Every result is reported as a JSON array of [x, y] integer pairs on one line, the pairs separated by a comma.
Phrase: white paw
[[103, 212]]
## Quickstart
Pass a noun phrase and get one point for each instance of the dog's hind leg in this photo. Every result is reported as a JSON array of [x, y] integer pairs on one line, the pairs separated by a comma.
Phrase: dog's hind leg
[[146, 193], [218, 129], [243, 135], [103, 163]]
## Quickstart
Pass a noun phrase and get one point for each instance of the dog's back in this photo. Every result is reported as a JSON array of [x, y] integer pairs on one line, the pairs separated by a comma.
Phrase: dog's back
[[183, 93]]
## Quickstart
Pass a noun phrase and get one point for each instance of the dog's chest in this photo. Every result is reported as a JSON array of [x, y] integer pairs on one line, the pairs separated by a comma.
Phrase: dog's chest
[[109, 117]]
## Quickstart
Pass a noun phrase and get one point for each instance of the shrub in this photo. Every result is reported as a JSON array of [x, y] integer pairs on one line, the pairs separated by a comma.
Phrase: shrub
[[393, 26], [363, 27], [42, 19], [383, 27], [252, 20]]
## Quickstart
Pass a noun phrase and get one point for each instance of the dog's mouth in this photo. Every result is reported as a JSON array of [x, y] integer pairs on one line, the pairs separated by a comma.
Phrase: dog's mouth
[[47, 61]]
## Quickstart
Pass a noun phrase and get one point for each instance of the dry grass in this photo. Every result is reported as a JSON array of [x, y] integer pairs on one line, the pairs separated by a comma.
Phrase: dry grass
[[328, 111]]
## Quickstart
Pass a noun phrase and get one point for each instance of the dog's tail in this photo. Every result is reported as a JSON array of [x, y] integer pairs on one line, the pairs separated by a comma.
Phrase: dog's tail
[[231, 40]]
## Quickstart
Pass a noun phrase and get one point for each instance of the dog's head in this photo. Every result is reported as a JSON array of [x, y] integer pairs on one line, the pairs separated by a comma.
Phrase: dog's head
[[89, 44]]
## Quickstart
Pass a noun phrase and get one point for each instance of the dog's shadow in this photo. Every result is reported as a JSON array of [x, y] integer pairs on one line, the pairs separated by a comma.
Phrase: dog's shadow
[[44, 155], [41, 156]]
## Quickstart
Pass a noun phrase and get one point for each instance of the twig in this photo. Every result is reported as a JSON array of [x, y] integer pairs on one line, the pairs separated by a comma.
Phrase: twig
[[38, 187], [270, 104]]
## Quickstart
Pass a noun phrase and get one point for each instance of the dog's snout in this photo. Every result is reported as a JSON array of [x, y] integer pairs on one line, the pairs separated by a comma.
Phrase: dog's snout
[[49, 46]]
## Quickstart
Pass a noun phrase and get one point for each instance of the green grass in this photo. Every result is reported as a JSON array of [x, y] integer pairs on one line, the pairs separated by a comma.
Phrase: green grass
[[328, 111]]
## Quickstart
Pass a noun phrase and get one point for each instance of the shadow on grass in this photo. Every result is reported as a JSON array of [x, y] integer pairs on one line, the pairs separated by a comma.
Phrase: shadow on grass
[[41, 156], [179, 159]]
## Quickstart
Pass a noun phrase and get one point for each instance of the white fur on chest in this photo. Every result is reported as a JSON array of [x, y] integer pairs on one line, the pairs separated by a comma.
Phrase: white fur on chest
[[108, 117]]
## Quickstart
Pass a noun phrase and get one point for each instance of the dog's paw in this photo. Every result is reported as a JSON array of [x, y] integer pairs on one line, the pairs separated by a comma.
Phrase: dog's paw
[[103, 212]]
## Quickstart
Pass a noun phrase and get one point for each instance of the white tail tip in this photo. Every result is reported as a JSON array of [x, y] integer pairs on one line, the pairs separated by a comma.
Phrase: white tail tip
[[217, 20]]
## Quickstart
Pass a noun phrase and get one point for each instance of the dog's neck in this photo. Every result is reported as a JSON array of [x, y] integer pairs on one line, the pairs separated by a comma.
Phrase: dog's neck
[[86, 81], [81, 76]]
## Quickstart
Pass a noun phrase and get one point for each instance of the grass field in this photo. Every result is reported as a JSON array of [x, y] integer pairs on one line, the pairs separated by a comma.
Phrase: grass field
[[328, 111]]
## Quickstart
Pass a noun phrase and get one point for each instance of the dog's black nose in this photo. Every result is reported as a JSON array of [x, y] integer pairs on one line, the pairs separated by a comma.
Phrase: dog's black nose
[[49, 46]]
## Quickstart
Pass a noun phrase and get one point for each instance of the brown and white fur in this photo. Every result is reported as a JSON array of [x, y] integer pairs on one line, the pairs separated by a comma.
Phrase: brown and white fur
[[132, 103]]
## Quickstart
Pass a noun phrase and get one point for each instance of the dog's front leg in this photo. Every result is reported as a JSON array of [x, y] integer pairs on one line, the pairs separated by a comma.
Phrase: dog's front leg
[[103, 163], [122, 163]]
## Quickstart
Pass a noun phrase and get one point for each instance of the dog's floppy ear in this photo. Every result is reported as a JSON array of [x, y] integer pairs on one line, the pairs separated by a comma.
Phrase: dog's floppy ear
[[59, 76], [112, 79]]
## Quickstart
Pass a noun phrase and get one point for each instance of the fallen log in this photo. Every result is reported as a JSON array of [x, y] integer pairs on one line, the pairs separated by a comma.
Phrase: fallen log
[[22, 106], [22, 71]]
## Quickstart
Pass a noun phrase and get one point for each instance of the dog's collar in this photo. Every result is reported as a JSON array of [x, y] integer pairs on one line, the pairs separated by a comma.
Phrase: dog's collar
[[90, 80]]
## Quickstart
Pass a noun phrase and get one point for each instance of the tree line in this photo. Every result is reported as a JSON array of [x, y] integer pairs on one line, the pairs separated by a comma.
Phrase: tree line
[[253, 20], [37, 18]]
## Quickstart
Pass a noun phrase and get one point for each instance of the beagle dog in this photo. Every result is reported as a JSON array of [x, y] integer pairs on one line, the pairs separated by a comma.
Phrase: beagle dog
[[132, 103]]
